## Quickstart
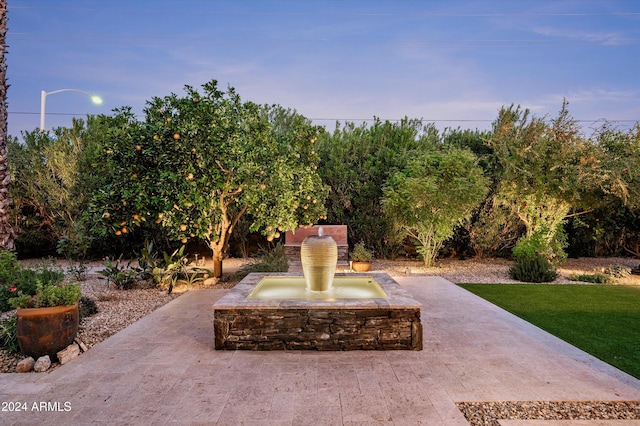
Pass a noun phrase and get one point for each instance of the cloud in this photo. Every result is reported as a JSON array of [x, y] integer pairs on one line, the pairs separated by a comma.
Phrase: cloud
[[607, 38]]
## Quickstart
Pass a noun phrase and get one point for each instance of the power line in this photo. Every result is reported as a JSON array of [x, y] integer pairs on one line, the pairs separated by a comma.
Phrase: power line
[[438, 120], [327, 14], [329, 44]]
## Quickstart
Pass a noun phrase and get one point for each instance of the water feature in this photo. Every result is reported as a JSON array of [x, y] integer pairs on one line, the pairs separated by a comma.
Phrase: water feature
[[319, 256], [320, 310], [344, 287]]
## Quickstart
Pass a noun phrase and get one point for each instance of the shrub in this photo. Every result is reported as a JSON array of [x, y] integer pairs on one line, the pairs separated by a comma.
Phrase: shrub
[[536, 269], [48, 295], [8, 337], [87, 307], [593, 278], [618, 271], [123, 276], [274, 260], [360, 253], [18, 281]]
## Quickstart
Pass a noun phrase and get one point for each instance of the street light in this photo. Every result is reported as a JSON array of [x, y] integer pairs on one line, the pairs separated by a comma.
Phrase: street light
[[43, 98]]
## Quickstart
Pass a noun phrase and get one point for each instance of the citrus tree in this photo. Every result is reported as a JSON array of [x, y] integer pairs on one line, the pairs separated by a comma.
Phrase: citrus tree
[[432, 195], [199, 162]]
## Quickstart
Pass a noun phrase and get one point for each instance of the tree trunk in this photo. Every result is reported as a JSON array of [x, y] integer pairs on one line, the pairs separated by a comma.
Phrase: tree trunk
[[217, 266], [217, 249], [7, 236]]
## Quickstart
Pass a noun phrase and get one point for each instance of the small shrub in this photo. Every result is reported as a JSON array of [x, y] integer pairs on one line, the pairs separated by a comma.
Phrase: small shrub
[[122, 276], [48, 295], [360, 253], [9, 266], [87, 307], [73, 246], [533, 270], [17, 281], [8, 337], [274, 260], [618, 271], [593, 278]]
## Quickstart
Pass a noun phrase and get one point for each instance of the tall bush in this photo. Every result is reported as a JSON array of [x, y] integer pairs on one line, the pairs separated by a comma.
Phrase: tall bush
[[432, 195], [355, 162], [54, 175], [546, 169]]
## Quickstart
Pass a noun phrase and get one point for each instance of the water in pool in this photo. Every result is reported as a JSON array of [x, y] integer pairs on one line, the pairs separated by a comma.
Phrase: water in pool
[[286, 287]]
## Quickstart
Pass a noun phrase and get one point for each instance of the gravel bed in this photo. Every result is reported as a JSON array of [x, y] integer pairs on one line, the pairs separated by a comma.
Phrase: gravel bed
[[496, 270], [488, 413], [117, 309]]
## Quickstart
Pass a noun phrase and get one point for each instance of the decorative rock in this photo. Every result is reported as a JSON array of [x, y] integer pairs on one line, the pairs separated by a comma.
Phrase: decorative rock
[[68, 353], [210, 281], [42, 364], [81, 344], [26, 365]]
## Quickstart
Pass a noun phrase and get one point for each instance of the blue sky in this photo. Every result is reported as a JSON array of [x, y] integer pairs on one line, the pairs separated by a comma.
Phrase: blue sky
[[452, 62]]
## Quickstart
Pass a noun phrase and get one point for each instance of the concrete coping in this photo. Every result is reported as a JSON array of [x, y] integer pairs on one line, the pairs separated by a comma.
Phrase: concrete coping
[[397, 297]]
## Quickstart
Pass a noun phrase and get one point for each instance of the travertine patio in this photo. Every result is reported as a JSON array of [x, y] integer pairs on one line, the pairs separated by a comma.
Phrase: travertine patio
[[164, 370]]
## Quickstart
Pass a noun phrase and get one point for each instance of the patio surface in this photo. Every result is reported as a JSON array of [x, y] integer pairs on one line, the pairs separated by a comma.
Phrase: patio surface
[[164, 370]]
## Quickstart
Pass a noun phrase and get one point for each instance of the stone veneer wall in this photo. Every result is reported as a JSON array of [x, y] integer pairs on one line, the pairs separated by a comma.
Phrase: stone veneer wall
[[320, 329]]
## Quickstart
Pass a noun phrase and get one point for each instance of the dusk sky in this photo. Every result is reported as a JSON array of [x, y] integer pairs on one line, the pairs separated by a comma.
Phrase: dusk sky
[[451, 62]]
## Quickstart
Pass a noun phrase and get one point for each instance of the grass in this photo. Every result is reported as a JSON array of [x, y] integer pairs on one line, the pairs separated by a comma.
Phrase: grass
[[601, 320]]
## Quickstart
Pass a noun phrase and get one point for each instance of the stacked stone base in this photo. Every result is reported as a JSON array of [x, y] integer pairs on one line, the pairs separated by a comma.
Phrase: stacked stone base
[[326, 329]]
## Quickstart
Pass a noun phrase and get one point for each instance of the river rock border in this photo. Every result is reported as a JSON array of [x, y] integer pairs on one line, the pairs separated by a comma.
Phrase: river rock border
[[489, 413]]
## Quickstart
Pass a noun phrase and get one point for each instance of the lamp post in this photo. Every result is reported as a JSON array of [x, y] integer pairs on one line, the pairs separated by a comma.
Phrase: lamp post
[[43, 98]]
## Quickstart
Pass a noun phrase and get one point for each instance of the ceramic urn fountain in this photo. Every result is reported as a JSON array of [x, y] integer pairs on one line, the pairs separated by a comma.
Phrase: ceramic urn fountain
[[319, 256]]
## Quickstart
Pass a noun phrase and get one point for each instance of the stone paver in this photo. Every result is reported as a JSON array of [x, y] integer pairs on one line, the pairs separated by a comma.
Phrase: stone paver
[[164, 370]]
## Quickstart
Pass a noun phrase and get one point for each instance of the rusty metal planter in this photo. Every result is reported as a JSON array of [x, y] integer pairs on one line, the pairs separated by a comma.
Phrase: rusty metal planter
[[46, 331]]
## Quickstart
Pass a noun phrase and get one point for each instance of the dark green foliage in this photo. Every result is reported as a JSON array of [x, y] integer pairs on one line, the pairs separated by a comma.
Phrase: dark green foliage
[[360, 253], [8, 337], [53, 180], [356, 162], [593, 278], [87, 307], [48, 295], [273, 260], [536, 269], [16, 280], [601, 320], [432, 195], [9, 266], [122, 275]]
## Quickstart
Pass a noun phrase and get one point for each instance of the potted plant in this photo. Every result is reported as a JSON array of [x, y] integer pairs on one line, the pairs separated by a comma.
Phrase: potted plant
[[47, 321], [360, 258]]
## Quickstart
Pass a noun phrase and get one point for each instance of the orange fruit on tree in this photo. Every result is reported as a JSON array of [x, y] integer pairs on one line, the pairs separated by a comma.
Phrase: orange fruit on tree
[[176, 136]]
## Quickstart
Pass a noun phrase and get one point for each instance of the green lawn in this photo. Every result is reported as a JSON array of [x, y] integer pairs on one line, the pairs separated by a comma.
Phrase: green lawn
[[601, 320]]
